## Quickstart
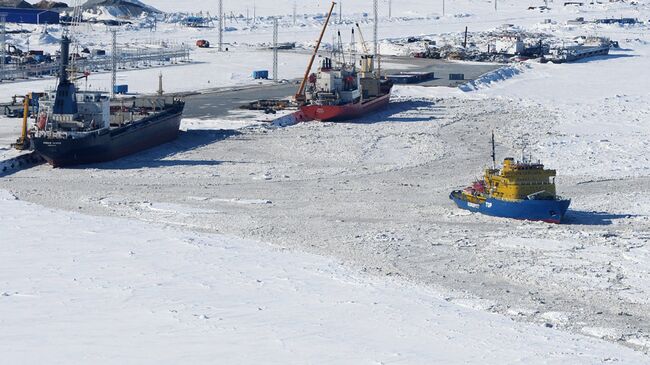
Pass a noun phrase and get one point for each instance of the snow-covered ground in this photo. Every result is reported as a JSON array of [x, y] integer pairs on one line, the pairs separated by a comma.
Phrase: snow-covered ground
[[119, 291], [401, 274]]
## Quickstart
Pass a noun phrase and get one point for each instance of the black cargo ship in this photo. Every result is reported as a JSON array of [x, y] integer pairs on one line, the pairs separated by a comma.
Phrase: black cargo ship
[[80, 127]]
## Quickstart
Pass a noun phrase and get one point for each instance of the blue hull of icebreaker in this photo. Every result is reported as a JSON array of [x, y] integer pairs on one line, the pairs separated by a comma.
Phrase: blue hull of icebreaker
[[552, 210]]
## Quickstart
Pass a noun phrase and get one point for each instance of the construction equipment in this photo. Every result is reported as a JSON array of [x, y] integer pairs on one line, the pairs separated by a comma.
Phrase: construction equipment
[[300, 94], [22, 143]]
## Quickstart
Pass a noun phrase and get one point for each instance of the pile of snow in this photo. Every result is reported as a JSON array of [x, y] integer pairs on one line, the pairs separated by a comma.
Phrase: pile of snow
[[116, 9], [21, 4], [492, 77], [43, 38], [45, 4]]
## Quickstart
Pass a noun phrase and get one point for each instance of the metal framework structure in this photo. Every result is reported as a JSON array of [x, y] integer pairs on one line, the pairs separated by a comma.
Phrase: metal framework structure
[[3, 41], [275, 49], [220, 25], [114, 57], [340, 11], [353, 49], [374, 28], [136, 58]]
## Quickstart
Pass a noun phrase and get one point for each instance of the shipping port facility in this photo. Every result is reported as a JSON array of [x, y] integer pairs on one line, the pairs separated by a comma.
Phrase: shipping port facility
[[324, 182]]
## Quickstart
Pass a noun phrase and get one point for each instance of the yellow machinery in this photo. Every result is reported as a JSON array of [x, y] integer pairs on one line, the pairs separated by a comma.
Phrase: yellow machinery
[[367, 60], [22, 143], [519, 180]]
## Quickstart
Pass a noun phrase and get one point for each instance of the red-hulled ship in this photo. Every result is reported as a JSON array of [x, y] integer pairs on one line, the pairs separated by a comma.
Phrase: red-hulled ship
[[338, 94], [338, 91]]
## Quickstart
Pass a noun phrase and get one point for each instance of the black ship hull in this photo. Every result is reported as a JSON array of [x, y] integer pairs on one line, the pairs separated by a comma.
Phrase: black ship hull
[[110, 144]]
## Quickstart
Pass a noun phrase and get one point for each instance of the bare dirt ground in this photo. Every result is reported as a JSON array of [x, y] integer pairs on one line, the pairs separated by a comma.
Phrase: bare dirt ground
[[374, 194]]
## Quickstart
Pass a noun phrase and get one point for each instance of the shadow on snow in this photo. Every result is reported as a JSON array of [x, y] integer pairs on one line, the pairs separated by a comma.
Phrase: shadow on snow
[[592, 218], [392, 113], [158, 156], [604, 58]]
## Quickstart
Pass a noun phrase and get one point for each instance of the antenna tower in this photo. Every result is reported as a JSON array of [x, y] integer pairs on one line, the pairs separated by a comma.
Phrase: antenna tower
[[340, 11], [3, 43], [353, 49], [220, 25], [339, 46], [494, 155], [275, 49], [114, 58], [376, 11]]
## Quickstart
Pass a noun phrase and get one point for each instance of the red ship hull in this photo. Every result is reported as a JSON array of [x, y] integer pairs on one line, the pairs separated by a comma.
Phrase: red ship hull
[[338, 113]]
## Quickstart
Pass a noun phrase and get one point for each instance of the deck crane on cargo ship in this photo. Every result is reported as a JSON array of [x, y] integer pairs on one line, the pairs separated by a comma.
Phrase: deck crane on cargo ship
[[300, 95], [337, 92], [367, 59]]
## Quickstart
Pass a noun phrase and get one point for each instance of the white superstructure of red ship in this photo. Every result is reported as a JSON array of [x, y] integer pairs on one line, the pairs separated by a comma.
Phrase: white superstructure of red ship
[[339, 91]]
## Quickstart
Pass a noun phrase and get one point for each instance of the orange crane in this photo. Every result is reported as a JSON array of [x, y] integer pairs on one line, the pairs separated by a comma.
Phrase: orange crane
[[300, 95]]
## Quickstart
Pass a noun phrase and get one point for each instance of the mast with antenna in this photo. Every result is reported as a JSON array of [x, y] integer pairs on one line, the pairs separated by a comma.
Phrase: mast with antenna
[[353, 50], [494, 155], [340, 57]]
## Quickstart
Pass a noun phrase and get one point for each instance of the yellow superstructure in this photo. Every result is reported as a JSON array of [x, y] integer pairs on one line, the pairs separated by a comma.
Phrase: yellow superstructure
[[519, 180]]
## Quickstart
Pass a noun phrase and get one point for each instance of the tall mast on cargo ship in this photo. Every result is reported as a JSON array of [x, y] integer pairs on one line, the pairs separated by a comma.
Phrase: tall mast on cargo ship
[[353, 50], [494, 156], [300, 95]]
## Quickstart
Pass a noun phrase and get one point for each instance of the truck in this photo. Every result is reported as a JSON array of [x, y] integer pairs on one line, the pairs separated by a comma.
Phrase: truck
[[202, 43]]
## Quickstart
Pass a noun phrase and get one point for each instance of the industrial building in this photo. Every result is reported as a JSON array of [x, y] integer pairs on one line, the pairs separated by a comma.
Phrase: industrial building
[[30, 16]]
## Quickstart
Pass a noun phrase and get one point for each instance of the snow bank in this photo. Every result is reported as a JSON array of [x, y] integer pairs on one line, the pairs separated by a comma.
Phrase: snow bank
[[492, 77]]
